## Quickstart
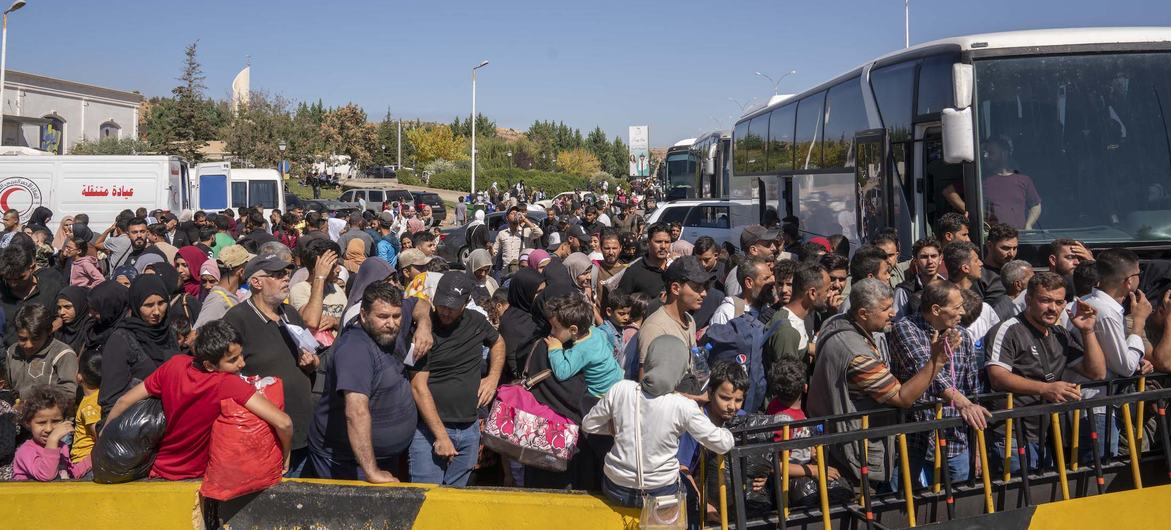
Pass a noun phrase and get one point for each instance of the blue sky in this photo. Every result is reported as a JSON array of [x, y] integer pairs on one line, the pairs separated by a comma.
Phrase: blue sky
[[669, 65]]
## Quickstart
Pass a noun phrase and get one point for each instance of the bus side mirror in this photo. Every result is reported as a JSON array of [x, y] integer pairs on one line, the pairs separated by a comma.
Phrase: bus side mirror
[[962, 85], [958, 142]]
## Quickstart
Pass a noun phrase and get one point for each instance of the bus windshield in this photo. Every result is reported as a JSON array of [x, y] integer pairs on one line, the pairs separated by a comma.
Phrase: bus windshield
[[1077, 146], [680, 170]]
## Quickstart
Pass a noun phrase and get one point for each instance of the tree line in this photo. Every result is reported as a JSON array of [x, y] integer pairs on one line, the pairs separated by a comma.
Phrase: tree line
[[187, 120]]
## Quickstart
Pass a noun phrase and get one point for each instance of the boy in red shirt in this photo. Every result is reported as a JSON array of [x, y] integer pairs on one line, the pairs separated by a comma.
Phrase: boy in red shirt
[[191, 389]]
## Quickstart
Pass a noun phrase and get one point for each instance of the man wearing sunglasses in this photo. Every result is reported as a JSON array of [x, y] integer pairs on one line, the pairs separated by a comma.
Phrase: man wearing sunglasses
[[268, 327]]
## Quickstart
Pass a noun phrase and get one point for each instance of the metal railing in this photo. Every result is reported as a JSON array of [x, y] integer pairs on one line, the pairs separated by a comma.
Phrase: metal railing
[[871, 498]]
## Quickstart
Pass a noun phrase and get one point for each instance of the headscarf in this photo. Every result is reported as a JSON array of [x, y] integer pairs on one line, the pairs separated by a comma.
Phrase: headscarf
[[61, 237], [524, 258], [169, 251], [126, 270], [479, 218], [158, 341], [519, 323], [334, 227], [355, 255], [109, 300], [665, 365], [414, 225], [536, 256], [477, 260], [209, 268], [578, 264], [195, 259], [371, 271], [170, 277], [74, 333], [186, 215], [40, 217], [146, 260]]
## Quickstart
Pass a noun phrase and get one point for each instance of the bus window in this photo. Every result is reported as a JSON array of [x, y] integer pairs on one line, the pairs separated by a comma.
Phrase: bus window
[[264, 193], [739, 157], [780, 138], [894, 91], [758, 154], [808, 136], [239, 194], [845, 114], [935, 87]]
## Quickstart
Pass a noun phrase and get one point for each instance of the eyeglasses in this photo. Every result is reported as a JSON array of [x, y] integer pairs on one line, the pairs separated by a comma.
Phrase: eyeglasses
[[276, 275]]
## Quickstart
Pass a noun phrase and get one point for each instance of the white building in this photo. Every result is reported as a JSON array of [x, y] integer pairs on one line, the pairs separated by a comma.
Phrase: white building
[[53, 114]]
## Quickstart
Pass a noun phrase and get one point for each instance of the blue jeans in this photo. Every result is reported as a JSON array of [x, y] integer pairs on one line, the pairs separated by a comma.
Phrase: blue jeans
[[632, 497], [332, 468], [426, 468], [1085, 454], [923, 472], [299, 466], [1039, 457]]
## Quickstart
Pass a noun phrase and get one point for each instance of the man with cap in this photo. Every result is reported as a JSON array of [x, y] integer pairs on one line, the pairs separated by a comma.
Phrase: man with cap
[[646, 275], [269, 329], [412, 265], [222, 297], [755, 241], [387, 245], [579, 240], [520, 234], [686, 284], [447, 387], [559, 247]]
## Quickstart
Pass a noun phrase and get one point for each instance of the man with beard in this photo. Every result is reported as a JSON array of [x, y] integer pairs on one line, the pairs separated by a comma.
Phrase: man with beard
[[686, 282], [629, 222], [611, 247], [791, 339], [448, 389], [517, 236], [11, 226], [365, 419], [755, 240], [757, 286], [1064, 256], [127, 244]]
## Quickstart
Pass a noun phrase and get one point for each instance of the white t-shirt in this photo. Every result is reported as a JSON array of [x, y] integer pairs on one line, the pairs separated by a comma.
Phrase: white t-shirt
[[727, 311], [799, 325]]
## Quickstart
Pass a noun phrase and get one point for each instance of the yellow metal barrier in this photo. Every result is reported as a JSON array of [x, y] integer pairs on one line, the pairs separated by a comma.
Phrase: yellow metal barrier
[[1059, 450], [1142, 387], [785, 476], [1134, 456], [720, 464], [823, 489], [1008, 442], [982, 449], [905, 466], [1073, 454], [938, 452]]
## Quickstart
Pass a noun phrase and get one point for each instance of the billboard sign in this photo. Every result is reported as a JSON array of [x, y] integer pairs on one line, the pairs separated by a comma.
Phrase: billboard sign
[[640, 154]]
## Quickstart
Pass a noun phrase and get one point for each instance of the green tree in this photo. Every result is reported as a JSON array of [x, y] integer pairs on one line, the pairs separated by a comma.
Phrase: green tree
[[258, 128], [345, 131], [485, 128], [191, 126], [620, 157], [110, 146], [436, 142]]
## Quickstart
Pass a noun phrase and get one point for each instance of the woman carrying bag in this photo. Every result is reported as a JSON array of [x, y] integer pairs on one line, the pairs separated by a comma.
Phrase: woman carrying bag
[[647, 418]]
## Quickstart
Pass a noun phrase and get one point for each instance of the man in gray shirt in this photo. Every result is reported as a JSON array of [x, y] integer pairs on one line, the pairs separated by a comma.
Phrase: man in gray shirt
[[355, 229], [461, 212]]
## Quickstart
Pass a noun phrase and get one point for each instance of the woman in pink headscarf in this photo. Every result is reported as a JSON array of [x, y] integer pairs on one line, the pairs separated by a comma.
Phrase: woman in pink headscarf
[[188, 262], [538, 258]]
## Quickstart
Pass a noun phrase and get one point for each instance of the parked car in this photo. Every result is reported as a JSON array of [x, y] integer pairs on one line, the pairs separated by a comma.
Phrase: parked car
[[380, 172], [292, 201], [587, 196], [432, 199], [453, 245], [328, 205], [376, 198], [722, 220]]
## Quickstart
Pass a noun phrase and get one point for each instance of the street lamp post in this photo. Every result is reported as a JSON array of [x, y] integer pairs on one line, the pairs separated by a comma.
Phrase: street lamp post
[[906, 23], [777, 82], [477, 67], [4, 59], [281, 164]]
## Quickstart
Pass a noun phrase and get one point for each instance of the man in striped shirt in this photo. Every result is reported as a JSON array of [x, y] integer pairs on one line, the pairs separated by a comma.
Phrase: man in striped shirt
[[851, 373]]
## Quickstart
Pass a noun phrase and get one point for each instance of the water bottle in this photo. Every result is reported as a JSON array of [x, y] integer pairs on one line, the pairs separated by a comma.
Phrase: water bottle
[[699, 365]]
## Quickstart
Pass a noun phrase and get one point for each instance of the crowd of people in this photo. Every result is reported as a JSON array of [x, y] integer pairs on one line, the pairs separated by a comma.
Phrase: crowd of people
[[390, 357]]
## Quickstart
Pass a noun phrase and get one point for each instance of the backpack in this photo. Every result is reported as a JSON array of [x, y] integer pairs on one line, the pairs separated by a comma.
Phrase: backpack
[[741, 340]]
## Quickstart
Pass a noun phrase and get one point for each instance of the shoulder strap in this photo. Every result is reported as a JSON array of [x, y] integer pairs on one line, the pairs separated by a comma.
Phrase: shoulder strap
[[536, 379], [638, 437]]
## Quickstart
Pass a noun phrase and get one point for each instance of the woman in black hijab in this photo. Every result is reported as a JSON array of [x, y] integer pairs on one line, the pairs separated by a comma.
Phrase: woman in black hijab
[[518, 324], [40, 218], [140, 342], [180, 303], [73, 310], [107, 303]]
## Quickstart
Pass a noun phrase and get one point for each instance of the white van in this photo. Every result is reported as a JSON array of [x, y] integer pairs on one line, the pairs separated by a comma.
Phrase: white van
[[100, 186], [217, 186]]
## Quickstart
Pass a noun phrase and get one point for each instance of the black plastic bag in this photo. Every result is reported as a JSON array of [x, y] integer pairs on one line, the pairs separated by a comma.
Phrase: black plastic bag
[[804, 494], [126, 449]]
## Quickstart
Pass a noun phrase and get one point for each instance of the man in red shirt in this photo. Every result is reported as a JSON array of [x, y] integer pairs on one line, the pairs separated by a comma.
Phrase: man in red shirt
[[191, 389]]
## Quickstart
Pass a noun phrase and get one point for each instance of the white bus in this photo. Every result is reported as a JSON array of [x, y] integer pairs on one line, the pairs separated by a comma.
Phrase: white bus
[[713, 164], [1078, 115]]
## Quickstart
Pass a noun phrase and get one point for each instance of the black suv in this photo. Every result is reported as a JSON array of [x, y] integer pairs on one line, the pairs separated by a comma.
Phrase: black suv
[[380, 172], [438, 210]]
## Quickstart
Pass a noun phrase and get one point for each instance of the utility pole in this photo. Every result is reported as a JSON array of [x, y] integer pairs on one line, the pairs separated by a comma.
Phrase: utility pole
[[906, 23], [399, 137]]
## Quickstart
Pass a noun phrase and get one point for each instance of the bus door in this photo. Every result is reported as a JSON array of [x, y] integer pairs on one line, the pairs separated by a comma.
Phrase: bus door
[[935, 179], [872, 183], [211, 186]]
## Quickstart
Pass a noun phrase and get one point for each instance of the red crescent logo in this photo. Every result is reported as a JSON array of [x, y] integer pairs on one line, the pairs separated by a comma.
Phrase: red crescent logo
[[4, 196]]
